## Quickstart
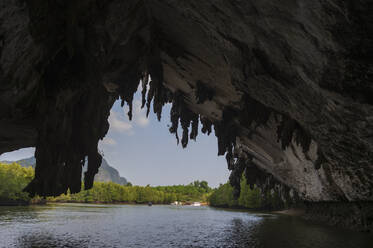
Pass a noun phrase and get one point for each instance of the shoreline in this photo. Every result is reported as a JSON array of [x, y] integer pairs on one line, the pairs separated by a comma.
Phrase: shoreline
[[122, 203], [13, 203], [16, 203], [291, 212], [26, 203]]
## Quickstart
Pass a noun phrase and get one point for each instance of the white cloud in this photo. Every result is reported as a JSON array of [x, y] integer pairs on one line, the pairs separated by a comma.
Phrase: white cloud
[[118, 124], [18, 154], [109, 141], [139, 115]]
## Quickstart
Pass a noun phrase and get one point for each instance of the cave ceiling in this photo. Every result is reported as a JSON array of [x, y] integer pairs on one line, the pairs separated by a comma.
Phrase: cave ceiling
[[286, 86]]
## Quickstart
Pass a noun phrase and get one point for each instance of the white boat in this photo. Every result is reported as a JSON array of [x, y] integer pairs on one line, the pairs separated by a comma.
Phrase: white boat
[[196, 204]]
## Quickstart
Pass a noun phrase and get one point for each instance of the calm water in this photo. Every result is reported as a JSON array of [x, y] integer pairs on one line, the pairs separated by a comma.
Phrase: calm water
[[80, 225]]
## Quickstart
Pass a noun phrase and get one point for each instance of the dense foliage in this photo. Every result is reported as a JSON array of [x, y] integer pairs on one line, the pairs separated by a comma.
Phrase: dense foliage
[[249, 198], [196, 191], [115, 193], [13, 178]]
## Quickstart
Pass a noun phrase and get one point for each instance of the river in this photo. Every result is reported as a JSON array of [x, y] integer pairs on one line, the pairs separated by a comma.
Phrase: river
[[83, 225]]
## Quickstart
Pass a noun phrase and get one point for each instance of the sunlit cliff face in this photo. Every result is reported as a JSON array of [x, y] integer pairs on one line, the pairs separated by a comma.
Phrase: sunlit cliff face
[[286, 86]]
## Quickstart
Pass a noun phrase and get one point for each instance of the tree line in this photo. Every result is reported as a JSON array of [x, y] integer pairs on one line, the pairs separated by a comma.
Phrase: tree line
[[249, 198], [13, 178], [109, 192]]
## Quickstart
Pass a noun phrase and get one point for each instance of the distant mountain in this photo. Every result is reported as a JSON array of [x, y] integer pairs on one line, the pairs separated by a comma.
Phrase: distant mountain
[[106, 173], [26, 162]]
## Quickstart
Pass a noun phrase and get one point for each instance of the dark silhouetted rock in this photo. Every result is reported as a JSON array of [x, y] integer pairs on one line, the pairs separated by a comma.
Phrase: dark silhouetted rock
[[287, 86], [106, 173]]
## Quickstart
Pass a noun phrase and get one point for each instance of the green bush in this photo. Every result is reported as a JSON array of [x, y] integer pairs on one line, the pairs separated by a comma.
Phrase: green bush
[[13, 179], [249, 198], [115, 193]]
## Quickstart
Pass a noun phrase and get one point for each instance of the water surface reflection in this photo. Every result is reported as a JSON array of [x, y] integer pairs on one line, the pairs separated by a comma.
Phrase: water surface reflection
[[80, 225]]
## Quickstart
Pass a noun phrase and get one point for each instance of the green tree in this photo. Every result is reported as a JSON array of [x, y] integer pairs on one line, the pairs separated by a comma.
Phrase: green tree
[[13, 179]]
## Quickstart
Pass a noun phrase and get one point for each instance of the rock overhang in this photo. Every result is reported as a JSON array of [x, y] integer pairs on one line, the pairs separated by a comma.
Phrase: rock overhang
[[284, 87]]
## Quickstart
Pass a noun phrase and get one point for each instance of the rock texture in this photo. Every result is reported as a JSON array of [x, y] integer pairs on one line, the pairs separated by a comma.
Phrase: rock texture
[[286, 86], [349, 215], [107, 173]]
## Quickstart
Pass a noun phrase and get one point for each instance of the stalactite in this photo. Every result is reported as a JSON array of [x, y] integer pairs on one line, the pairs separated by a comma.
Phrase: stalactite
[[175, 114], [129, 103], [203, 93], [186, 117], [94, 162], [229, 158], [194, 132], [320, 159], [303, 139], [289, 129], [180, 112], [144, 84], [155, 69], [253, 111], [158, 101], [185, 123], [149, 98], [241, 164], [226, 132], [268, 185], [206, 125], [285, 132], [253, 175], [235, 176], [129, 86]]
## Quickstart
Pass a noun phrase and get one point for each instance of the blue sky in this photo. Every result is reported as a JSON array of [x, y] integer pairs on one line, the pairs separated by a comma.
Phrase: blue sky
[[144, 151]]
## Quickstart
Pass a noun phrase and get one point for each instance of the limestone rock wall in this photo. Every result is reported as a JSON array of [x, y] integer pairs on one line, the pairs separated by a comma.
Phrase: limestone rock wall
[[286, 85]]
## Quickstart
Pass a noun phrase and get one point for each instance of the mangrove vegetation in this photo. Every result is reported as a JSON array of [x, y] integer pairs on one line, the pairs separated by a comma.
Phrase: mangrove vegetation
[[249, 198], [13, 179]]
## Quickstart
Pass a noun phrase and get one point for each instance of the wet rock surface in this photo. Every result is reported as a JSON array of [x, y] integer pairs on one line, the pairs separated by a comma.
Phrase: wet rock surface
[[354, 215], [286, 85]]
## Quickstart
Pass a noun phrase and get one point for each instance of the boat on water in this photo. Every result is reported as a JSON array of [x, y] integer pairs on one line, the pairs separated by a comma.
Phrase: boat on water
[[196, 204]]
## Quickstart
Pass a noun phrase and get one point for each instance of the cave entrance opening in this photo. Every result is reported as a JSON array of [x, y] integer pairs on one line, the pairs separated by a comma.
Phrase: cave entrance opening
[[145, 152], [24, 156]]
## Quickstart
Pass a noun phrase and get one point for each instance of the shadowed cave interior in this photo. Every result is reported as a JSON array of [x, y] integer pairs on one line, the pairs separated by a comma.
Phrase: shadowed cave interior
[[287, 88]]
